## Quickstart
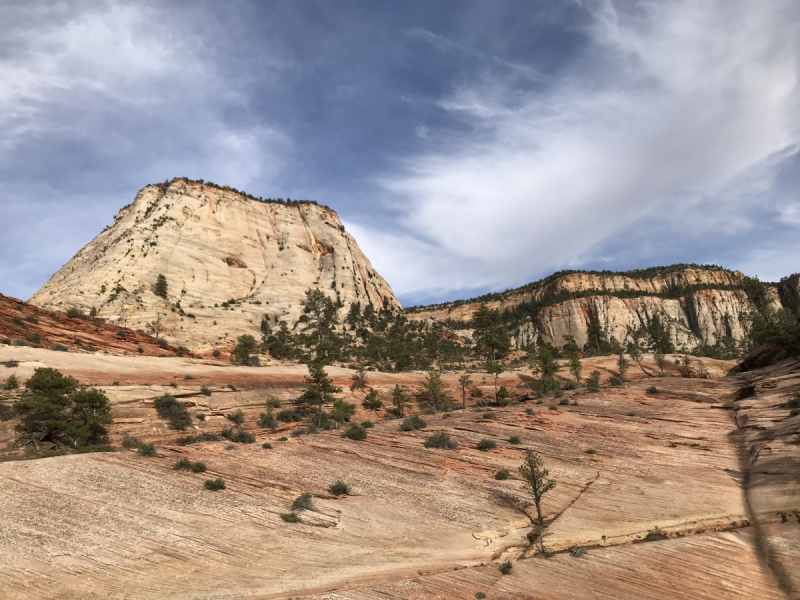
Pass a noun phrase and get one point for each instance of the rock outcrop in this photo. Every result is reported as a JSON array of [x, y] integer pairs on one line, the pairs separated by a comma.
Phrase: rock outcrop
[[228, 260], [713, 307]]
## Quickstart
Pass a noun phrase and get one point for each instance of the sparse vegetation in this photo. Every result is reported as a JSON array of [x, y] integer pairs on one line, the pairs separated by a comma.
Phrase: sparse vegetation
[[266, 446], [486, 444], [215, 484], [148, 450], [489, 415], [185, 464], [355, 432], [238, 436], [593, 382], [290, 517], [206, 391], [199, 438], [441, 440], [515, 440], [502, 474], [339, 488], [236, 417], [413, 423], [11, 382], [267, 420], [303, 502], [6, 412], [506, 567], [172, 410], [76, 313], [652, 390]]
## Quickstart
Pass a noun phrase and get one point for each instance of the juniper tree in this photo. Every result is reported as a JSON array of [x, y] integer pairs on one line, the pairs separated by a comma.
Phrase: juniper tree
[[246, 345], [318, 323], [56, 409], [433, 390], [491, 336]]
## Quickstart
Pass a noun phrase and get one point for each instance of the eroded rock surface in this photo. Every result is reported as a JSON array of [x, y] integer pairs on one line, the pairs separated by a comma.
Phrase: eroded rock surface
[[212, 246]]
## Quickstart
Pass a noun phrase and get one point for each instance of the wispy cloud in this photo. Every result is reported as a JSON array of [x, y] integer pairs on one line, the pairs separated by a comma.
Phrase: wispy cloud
[[675, 109]]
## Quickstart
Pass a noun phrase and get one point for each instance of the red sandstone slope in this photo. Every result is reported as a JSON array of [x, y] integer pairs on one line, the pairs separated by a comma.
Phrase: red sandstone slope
[[22, 321]]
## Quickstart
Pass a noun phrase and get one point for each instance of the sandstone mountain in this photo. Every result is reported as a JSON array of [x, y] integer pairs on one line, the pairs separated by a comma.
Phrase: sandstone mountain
[[699, 305], [228, 260]]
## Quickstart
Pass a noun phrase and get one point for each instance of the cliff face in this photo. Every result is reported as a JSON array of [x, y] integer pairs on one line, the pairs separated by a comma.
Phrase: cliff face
[[698, 318], [583, 282], [701, 318], [213, 246]]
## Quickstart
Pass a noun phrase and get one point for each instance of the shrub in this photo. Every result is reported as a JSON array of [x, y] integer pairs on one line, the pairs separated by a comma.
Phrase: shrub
[[515, 440], [183, 464], [5, 341], [489, 415], [266, 446], [413, 423], [6, 412], [215, 353], [655, 535], [486, 444], [215, 484], [339, 488], [11, 383], [238, 436], [591, 451], [794, 412], [188, 377], [631, 414], [130, 442], [290, 518], [236, 417], [175, 412], [289, 416], [147, 450], [32, 319], [303, 502], [368, 424], [506, 567], [200, 416], [162, 343], [558, 393], [267, 420], [199, 467], [552, 407], [283, 438], [116, 383], [19, 343], [570, 384], [564, 402], [480, 596], [593, 382], [442, 440], [76, 313], [59, 348], [616, 381], [530, 412], [355, 432], [34, 338], [298, 431], [502, 474], [273, 402], [652, 390], [196, 439]]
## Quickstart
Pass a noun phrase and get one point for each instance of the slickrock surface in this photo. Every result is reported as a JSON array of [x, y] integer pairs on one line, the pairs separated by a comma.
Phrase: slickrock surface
[[213, 246], [19, 321], [420, 523]]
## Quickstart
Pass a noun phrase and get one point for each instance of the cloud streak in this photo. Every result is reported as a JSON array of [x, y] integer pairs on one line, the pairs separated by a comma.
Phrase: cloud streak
[[675, 108]]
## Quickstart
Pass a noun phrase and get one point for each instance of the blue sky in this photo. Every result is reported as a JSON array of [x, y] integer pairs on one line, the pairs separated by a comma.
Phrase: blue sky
[[468, 146]]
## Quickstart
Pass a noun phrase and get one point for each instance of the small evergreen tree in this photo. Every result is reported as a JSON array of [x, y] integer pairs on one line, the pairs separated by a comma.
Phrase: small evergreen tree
[[433, 390], [55, 408], [495, 368], [535, 475], [244, 348], [464, 381], [319, 390], [371, 400], [622, 365], [399, 400], [161, 286], [575, 366]]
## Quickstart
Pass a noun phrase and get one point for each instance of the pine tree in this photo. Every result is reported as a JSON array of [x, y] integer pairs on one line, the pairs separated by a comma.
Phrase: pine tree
[[161, 286]]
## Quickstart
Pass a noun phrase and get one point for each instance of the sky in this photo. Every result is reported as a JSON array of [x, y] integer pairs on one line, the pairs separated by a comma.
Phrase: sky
[[468, 146]]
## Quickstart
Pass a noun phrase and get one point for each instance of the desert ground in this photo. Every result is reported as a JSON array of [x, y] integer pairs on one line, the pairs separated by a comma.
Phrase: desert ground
[[691, 492]]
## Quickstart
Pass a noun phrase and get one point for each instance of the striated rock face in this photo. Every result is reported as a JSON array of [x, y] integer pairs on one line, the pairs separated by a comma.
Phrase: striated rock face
[[213, 246], [701, 318], [582, 282]]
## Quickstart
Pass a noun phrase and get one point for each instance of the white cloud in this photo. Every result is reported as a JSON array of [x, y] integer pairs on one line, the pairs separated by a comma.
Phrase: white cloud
[[676, 108]]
